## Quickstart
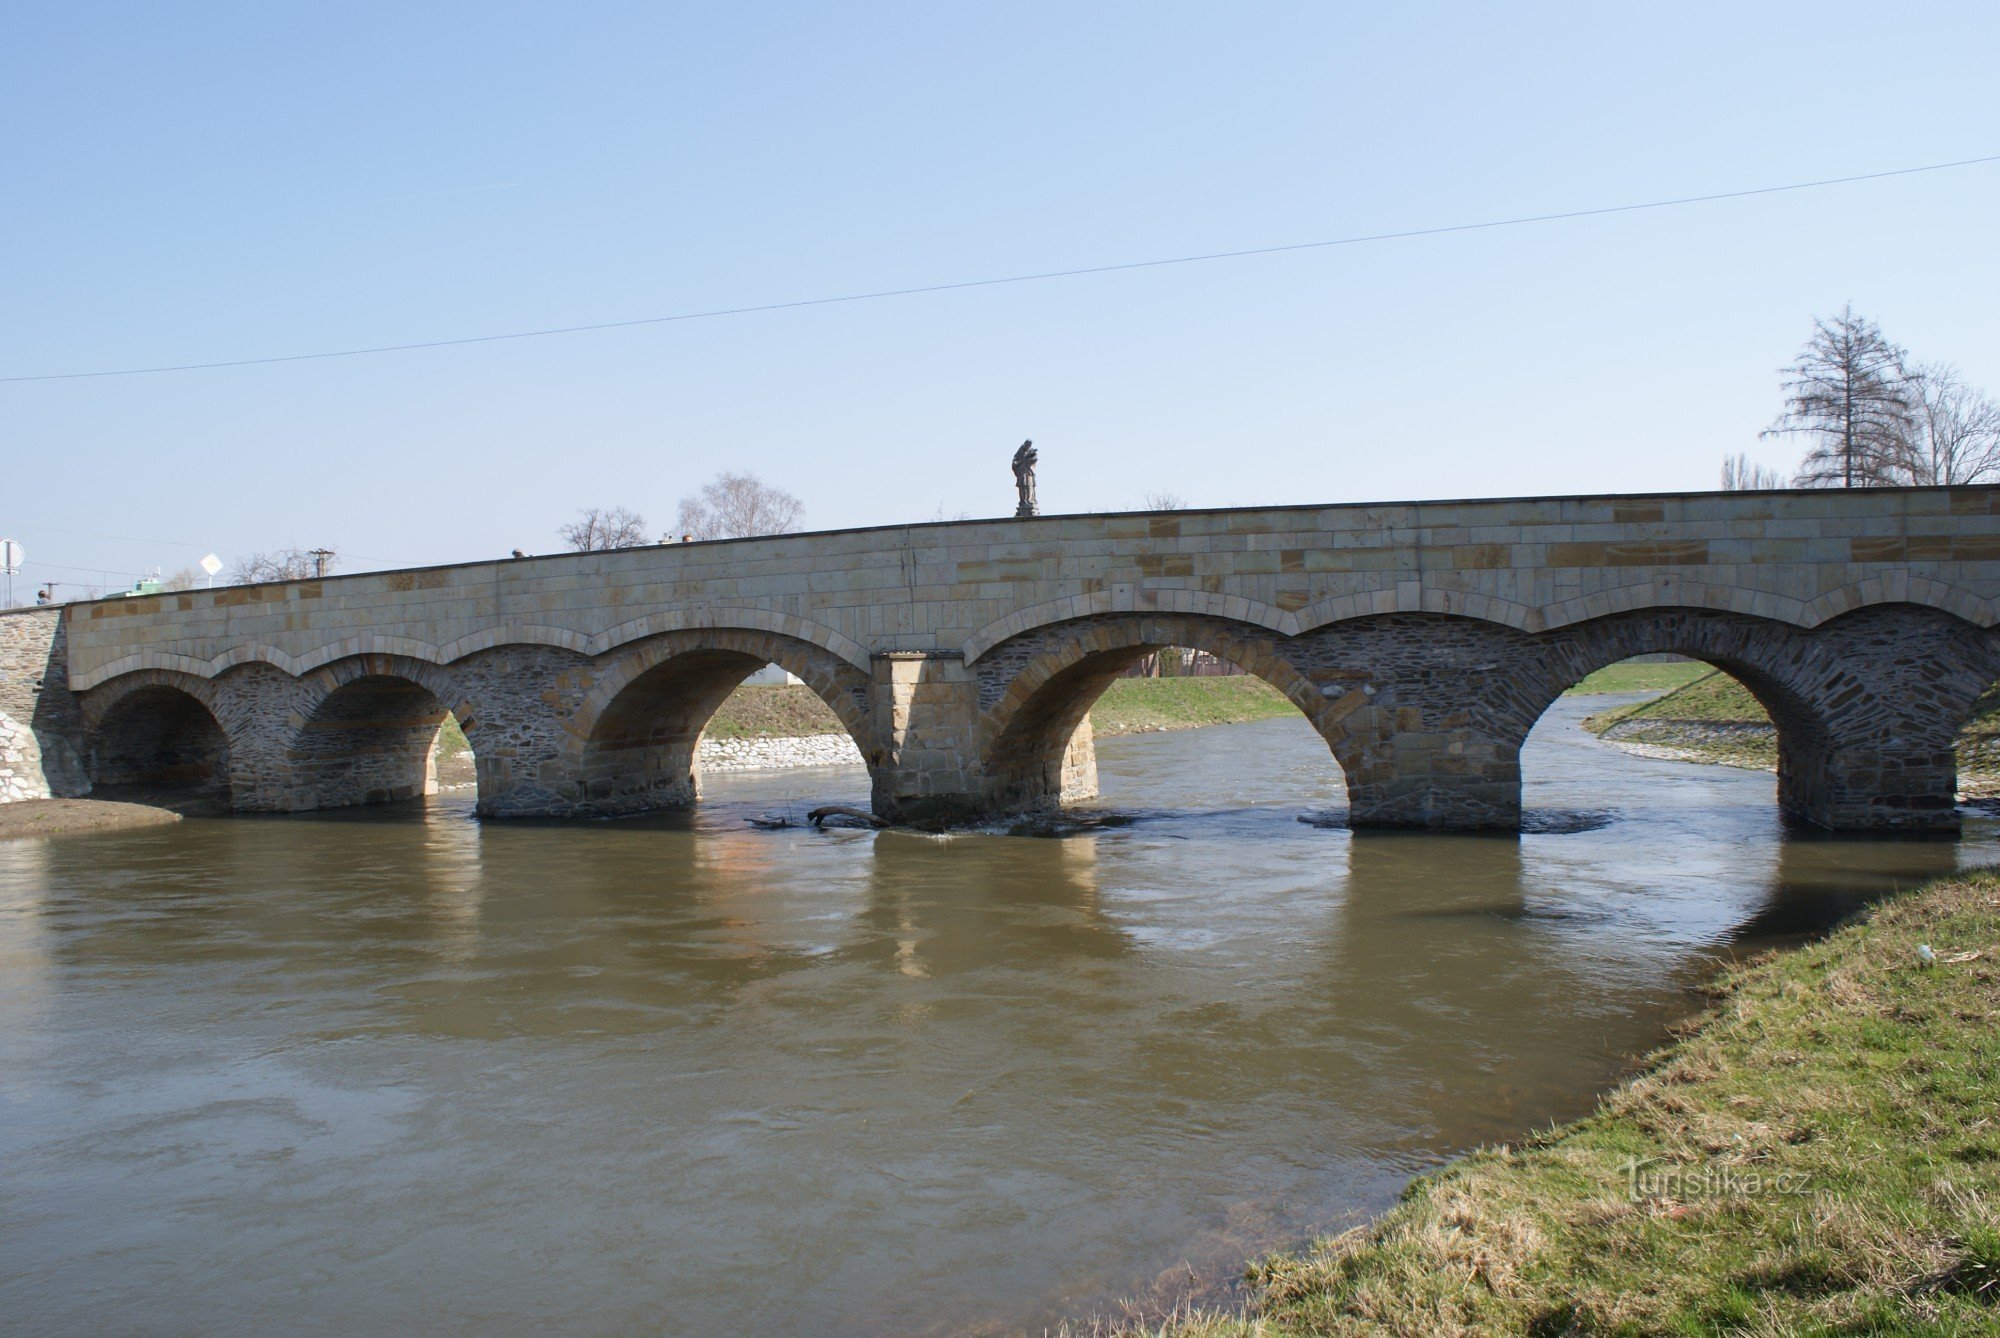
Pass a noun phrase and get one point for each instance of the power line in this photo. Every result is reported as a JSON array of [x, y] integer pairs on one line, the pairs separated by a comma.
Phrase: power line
[[961, 285], [187, 543], [64, 566]]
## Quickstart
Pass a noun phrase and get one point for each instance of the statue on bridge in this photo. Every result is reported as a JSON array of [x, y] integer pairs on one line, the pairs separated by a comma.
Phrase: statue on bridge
[[1024, 481]]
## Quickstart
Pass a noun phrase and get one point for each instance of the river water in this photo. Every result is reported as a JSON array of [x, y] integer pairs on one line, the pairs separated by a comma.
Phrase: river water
[[395, 1069]]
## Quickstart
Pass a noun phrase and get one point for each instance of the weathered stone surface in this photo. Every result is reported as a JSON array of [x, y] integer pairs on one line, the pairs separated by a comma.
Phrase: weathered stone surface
[[1422, 640], [41, 724]]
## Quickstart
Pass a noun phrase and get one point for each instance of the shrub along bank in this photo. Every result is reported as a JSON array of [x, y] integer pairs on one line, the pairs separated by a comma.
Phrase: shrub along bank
[[1818, 1154]]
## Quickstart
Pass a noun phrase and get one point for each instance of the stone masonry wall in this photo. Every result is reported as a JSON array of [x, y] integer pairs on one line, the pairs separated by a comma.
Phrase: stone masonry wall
[[41, 723]]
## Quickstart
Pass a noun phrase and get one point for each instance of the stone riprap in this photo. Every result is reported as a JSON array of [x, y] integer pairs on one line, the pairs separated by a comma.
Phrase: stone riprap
[[1422, 640], [816, 750]]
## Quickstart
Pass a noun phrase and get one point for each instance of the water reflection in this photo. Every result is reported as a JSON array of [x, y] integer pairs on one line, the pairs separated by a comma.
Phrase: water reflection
[[388, 1069]]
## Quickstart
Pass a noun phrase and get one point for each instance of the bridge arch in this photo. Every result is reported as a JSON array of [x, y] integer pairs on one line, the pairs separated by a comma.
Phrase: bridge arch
[[1766, 657], [1866, 705], [634, 735], [1036, 691], [364, 730], [159, 728]]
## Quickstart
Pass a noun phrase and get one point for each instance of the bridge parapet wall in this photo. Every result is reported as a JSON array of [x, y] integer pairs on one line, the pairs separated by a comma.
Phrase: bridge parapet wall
[[1531, 564]]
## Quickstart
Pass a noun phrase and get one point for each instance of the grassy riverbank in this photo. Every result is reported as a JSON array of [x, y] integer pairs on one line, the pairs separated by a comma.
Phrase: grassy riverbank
[[1142, 705], [790, 711], [1640, 677], [1714, 718], [1820, 1154]]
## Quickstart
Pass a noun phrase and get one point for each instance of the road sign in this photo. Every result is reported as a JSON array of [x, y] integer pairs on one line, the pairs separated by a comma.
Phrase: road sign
[[11, 556], [211, 564]]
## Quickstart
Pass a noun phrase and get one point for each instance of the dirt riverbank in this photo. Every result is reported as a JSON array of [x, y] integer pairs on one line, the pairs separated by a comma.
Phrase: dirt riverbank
[[64, 817]]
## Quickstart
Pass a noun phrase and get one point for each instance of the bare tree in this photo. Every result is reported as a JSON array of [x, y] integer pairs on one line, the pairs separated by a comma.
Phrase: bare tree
[[1163, 501], [736, 506], [1849, 396], [1741, 474], [1954, 432], [597, 529], [283, 564], [187, 578]]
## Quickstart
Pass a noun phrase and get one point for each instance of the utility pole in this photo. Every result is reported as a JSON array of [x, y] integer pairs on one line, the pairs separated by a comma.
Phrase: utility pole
[[320, 557]]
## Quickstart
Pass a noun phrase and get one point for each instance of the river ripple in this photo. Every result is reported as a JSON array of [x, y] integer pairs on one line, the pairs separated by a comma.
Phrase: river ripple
[[385, 1070]]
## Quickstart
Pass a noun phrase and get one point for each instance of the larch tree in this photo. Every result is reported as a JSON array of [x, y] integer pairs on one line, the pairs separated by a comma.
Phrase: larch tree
[[1849, 396]]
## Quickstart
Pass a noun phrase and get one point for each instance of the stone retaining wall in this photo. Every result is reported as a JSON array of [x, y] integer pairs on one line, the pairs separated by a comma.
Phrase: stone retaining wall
[[41, 724]]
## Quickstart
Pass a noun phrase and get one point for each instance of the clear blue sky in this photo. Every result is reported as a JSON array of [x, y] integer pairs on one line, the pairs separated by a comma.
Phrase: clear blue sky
[[208, 181]]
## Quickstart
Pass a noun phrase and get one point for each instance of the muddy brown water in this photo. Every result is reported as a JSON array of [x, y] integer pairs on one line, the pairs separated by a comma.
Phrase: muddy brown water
[[399, 1070]]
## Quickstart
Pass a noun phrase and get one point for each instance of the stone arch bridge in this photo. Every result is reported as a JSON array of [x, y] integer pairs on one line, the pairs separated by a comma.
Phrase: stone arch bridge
[[1422, 641]]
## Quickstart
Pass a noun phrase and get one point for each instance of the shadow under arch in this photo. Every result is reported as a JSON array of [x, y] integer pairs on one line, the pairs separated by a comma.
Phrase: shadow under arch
[[367, 732], [1036, 691], [634, 741], [158, 730]]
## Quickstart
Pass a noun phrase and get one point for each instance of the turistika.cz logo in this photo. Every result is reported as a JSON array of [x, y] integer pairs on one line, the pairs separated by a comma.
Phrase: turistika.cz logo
[[1652, 1178]]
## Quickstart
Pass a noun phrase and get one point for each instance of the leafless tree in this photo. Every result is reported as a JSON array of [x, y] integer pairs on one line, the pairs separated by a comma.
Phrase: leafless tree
[[1741, 474], [187, 578], [599, 528], [283, 564], [1954, 432], [736, 506], [1163, 501], [1850, 397]]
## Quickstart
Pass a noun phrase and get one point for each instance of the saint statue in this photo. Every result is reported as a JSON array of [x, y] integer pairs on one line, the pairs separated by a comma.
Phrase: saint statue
[[1024, 481]]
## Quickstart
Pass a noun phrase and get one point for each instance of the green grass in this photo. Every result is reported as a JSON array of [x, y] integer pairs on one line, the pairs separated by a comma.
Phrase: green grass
[[1629, 677], [775, 711], [1715, 719], [1709, 697], [1869, 1083], [1135, 705]]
